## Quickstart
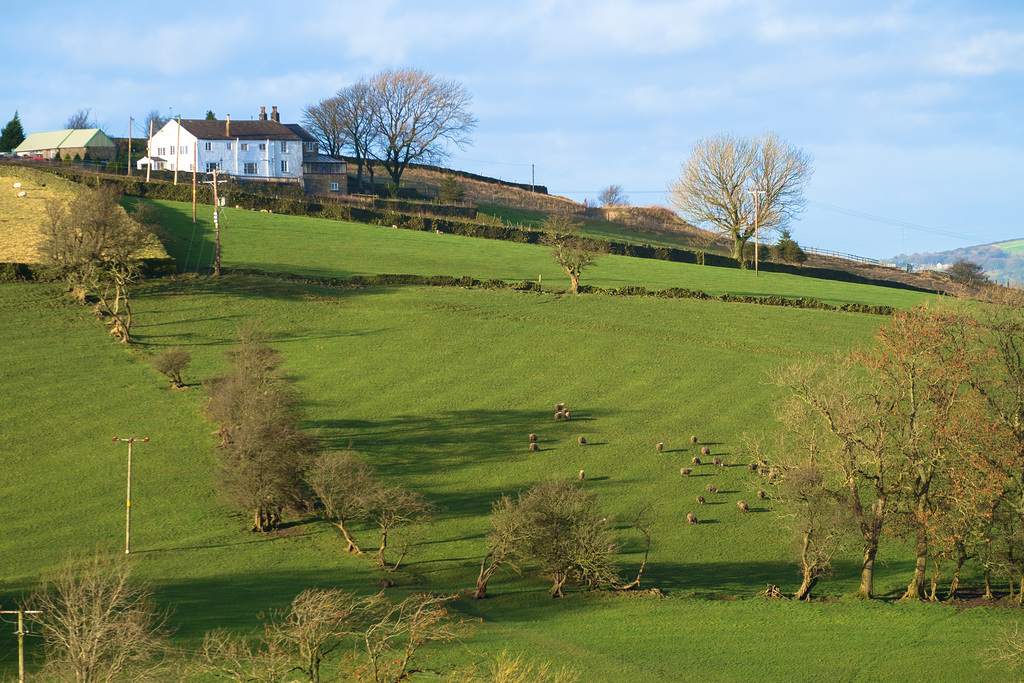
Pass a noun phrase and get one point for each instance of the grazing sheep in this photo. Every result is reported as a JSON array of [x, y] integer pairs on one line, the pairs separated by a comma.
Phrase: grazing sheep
[[761, 495], [752, 467], [693, 439], [533, 437], [717, 461], [762, 471], [558, 407], [700, 499], [582, 440], [696, 461], [711, 488], [568, 415], [582, 476], [17, 185], [742, 505], [558, 416], [691, 518], [23, 194], [685, 471], [659, 446], [704, 450], [534, 446]]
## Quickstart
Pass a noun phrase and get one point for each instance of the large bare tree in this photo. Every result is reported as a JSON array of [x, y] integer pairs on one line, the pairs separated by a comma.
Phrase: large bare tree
[[415, 116], [354, 103], [324, 120], [727, 175], [95, 247], [97, 624]]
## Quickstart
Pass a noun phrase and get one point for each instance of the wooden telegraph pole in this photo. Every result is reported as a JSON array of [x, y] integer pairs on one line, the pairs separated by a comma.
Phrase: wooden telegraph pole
[[129, 146], [128, 507], [216, 220], [21, 637]]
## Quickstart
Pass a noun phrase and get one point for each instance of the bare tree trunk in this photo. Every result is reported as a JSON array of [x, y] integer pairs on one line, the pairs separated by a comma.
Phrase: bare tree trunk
[[867, 572], [954, 584], [809, 582], [556, 588], [352, 547], [486, 572], [916, 589], [574, 277], [383, 546]]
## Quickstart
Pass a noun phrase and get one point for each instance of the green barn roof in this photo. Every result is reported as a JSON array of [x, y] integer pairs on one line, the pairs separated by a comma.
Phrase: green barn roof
[[62, 139]]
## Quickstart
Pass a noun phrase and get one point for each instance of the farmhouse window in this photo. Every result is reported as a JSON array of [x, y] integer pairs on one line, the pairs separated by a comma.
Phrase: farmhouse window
[[263, 147], [250, 169], [311, 147], [212, 166], [183, 149], [284, 165], [229, 146], [245, 146], [284, 145], [334, 187], [209, 146]]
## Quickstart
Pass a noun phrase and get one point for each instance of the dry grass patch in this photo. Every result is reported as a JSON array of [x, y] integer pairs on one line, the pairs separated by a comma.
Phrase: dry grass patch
[[21, 236]]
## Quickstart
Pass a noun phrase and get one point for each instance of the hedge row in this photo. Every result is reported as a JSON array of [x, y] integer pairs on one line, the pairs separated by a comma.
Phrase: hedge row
[[384, 280], [774, 300], [360, 281], [332, 211], [34, 272]]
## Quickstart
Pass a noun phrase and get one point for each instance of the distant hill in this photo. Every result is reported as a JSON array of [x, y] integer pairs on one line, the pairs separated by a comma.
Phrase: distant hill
[[1002, 261]]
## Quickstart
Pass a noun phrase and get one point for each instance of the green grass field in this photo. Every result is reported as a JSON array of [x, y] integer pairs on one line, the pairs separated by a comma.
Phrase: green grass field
[[437, 389], [282, 244]]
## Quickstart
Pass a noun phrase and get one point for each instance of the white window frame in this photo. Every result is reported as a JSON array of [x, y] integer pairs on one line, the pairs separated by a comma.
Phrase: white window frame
[[284, 165], [284, 145], [263, 147], [335, 188], [251, 168], [209, 146]]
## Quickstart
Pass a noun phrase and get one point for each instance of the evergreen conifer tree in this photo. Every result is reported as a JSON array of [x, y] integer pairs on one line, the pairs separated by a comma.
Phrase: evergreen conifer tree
[[12, 134]]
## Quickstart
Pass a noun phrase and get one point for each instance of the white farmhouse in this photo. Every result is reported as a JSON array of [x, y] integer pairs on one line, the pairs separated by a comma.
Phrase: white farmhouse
[[249, 150]]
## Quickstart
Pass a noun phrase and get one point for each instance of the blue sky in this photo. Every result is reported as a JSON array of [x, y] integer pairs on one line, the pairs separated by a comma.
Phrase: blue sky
[[913, 111]]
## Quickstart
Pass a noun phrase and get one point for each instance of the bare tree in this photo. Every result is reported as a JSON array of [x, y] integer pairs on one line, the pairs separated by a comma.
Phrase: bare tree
[[81, 119], [507, 532], [566, 535], [96, 247], [568, 248], [344, 486], [383, 639], [97, 625], [156, 118], [172, 363], [263, 452], [393, 508], [325, 121], [355, 104], [726, 175], [415, 115], [613, 195]]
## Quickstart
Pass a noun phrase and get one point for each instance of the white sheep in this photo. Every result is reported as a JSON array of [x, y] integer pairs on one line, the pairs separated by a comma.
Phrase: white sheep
[[17, 185], [23, 194]]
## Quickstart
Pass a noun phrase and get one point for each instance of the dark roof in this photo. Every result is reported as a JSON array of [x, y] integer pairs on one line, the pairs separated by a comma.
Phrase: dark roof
[[322, 159], [300, 131], [250, 130]]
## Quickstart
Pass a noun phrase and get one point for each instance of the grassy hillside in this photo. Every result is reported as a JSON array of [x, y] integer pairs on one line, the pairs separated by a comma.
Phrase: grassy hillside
[[437, 389], [325, 248]]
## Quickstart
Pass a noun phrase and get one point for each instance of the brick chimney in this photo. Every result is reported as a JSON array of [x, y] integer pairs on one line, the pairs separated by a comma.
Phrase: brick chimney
[[274, 116], [227, 126], [263, 113]]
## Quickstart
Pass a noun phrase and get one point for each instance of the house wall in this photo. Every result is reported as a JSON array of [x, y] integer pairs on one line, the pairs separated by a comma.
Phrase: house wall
[[317, 183], [231, 156]]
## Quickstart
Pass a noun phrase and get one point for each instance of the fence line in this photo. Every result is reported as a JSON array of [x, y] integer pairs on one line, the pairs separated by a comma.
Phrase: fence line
[[848, 257]]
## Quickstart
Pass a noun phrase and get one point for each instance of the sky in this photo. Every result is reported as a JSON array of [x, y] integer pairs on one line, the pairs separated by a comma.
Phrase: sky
[[912, 111]]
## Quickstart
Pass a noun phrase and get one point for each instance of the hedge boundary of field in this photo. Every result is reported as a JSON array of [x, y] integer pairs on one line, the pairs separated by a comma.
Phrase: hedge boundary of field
[[314, 209], [468, 282]]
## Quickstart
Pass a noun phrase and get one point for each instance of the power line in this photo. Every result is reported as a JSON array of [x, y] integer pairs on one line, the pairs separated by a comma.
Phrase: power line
[[891, 221]]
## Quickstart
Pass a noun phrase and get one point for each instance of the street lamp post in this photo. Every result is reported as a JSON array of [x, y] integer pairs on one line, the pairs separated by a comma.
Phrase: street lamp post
[[128, 508], [755, 193]]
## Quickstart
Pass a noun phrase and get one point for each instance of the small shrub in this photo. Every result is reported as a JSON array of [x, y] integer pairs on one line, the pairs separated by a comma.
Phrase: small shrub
[[172, 363]]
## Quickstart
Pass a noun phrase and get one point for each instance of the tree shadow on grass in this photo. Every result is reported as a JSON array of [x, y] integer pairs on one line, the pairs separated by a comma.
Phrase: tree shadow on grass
[[404, 445]]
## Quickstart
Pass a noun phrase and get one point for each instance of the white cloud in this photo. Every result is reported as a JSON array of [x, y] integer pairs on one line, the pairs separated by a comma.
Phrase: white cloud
[[983, 55]]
